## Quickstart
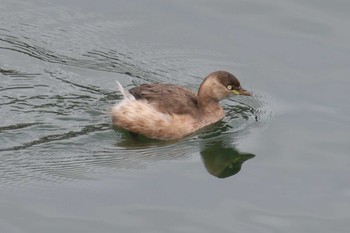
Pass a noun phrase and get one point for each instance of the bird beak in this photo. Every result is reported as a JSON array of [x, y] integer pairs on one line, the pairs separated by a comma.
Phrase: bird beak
[[241, 92]]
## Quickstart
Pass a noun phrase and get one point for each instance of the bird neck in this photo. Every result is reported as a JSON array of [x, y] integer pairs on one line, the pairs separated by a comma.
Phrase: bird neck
[[207, 104]]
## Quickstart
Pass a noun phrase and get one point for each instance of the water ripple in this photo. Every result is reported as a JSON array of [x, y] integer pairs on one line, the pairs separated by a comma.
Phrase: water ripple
[[57, 88], [109, 60], [17, 126], [57, 137]]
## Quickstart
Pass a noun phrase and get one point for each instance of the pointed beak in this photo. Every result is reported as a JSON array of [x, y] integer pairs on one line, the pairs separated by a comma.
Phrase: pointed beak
[[241, 92]]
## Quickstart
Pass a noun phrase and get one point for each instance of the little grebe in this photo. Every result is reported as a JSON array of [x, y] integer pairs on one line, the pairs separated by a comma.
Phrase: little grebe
[[168, 112]]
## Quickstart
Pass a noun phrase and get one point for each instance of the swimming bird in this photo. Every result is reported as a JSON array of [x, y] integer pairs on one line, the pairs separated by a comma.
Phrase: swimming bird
[[169, 112]]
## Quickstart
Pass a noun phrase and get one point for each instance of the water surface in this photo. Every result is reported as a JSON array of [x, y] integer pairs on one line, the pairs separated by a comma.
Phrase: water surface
[[278, 162]]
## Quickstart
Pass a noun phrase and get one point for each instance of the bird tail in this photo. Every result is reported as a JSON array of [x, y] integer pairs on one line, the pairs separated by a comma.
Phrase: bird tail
[[126, 94]]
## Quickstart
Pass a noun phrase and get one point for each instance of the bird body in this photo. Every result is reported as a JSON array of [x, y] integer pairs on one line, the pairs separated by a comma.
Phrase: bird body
[[169, 112]]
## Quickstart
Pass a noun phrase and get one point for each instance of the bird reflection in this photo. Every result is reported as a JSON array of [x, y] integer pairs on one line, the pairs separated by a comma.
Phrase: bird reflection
[[222, 160]]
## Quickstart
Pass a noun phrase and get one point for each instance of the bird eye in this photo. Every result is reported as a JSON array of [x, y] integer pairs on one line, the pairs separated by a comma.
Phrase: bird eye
[[229, 87]]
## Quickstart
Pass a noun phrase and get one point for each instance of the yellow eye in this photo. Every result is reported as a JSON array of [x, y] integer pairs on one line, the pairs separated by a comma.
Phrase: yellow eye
[[229, 87]]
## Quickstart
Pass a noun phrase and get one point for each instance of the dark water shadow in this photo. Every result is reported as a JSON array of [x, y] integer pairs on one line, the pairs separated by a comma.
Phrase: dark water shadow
[[131, 140]]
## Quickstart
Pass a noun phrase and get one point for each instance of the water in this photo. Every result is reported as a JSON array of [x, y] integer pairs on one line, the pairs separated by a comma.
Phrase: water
[[278, 162]]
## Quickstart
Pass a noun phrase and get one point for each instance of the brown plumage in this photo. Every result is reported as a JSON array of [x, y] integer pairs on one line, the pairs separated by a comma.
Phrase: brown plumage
[[167, 112]]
